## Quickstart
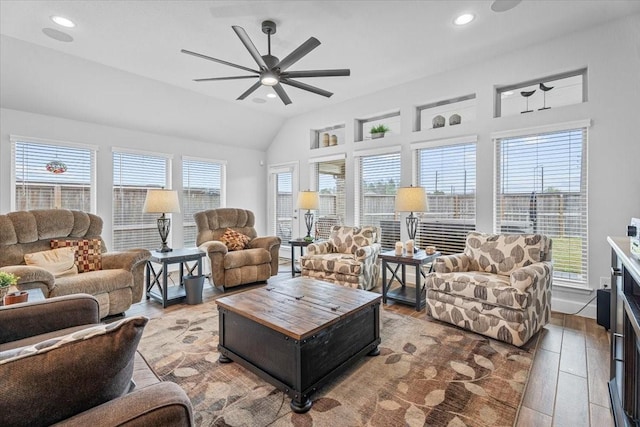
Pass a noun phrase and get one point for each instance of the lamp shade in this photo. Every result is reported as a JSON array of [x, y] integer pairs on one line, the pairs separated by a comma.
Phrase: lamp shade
[[161, 201], [308, 200], [411, 199]]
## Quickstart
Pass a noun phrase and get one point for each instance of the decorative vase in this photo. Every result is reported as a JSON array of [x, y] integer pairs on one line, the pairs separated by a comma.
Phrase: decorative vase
[[438, 121], [333, 140], [16, 297], [455, 119], [377, 135], [325, 139]]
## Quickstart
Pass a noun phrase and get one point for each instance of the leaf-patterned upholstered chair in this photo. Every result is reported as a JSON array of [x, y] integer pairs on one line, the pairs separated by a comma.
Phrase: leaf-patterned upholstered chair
[[499, 287], [349, 257]]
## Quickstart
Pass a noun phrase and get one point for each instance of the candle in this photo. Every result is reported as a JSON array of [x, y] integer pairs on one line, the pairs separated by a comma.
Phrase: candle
[[398, 248], [409, 245]]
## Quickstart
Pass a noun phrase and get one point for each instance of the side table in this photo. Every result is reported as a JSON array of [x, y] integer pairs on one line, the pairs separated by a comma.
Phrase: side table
[[406, 294], [157, 281], [297, 243]]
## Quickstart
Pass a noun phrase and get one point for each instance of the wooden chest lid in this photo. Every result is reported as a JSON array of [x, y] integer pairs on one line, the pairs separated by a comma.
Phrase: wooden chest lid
[[299, 307]]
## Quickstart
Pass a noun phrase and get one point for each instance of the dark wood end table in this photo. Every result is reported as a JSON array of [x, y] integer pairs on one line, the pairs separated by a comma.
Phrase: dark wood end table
[[157, 280], [412, 295], [300, 243]]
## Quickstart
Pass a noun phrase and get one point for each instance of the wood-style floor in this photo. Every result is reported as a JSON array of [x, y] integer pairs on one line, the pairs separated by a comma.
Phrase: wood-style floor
[[568, 382]]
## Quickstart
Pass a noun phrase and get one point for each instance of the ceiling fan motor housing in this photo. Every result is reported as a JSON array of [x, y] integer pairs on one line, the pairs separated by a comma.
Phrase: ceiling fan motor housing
[[268, 27]]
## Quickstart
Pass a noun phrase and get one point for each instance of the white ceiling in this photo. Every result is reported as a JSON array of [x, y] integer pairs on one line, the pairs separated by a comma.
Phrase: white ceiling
[[384, 43]]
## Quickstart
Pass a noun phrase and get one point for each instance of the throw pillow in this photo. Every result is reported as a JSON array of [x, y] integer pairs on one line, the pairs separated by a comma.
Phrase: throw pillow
[[88, 253], [233, 240], [68, 375], [59, 262]]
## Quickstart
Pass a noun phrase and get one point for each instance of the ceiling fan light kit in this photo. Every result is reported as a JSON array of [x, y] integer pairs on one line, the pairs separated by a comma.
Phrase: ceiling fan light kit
[[272, 71]]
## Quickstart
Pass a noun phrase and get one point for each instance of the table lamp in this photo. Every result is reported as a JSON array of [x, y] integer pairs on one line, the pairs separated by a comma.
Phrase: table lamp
[[308, 200], [411, 199], [162, 201]]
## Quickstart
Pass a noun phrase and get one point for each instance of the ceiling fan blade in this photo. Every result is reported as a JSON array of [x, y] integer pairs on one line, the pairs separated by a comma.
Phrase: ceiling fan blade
[[220, 61], [317, 73], [246, 41], [210, 79], [249, 91], [298, 53], [282, 94], [306, 87]]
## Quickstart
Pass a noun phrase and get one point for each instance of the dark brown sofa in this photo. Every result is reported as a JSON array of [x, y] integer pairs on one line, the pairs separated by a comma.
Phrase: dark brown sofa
[[116, 286], [96, 379]]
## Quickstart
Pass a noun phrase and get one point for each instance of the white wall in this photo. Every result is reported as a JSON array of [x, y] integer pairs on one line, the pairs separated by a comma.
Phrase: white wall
[[245, 175], [611, 53]]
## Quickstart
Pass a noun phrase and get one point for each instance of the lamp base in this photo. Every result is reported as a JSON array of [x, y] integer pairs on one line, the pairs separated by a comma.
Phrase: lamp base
[[165, 248], [164, 225]]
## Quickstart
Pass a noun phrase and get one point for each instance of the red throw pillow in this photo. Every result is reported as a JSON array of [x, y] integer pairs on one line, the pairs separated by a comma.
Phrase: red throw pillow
[[235, 241], [88, 253]]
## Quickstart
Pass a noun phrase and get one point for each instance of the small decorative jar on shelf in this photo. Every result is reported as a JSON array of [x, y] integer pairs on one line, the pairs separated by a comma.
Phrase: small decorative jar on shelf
[[333, 140], [325, 139]]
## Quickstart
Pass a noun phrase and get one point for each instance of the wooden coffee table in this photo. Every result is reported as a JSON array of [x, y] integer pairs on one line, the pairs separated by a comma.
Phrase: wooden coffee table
[[299, 334]]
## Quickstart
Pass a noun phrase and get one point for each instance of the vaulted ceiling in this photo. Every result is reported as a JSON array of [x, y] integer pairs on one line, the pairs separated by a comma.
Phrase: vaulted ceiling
[[124, 67]]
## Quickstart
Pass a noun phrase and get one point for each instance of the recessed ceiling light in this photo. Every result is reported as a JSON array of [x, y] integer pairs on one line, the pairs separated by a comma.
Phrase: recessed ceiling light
[[507, 93], [259, 100], [57, 35], [271, 95], [464, 19], [63, 22]]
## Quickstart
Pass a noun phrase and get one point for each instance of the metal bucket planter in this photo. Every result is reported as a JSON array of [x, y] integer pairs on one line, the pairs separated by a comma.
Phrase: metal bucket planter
[[193, 287]]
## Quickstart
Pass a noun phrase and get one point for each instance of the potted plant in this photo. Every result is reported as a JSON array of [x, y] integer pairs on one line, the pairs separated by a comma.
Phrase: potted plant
[[378, 131], [6, 280]]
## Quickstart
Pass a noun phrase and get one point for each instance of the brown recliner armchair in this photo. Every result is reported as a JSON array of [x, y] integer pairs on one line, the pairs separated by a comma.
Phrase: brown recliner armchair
[[255, 263], [116, 285], [60, 366]]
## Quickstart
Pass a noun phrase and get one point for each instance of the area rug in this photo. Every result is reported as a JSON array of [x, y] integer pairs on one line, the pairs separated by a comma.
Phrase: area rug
[[427, 374]]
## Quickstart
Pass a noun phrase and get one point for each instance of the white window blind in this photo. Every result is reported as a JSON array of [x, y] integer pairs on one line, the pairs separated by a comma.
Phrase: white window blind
[[376, 188], [67, 184], [133, 174], [541, 187], [202, 183], [448, 174], [283, 205], [330, 182]]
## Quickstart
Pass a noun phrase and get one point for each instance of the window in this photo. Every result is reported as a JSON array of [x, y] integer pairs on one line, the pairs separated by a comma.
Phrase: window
[[448, 174], [53, 175], [283, 191], [202, 188], [541, 187], [329, 182], [133, 174], [376, 188]]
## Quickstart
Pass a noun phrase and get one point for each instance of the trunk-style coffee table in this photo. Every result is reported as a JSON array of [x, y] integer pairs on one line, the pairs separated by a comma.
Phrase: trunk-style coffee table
[[299, 334]]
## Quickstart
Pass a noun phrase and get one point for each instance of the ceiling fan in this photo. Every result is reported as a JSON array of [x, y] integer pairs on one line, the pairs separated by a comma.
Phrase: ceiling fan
[[272, 71]]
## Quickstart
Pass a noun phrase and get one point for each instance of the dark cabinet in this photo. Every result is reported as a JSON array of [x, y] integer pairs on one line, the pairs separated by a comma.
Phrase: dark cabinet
[[624, 384]]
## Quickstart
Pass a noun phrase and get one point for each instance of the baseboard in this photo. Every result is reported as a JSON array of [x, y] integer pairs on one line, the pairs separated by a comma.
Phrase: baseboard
[[570, 307]]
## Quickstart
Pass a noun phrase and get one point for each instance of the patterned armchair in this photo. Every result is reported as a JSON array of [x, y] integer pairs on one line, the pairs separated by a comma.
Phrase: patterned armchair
[[348, 258], [499, 287]]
